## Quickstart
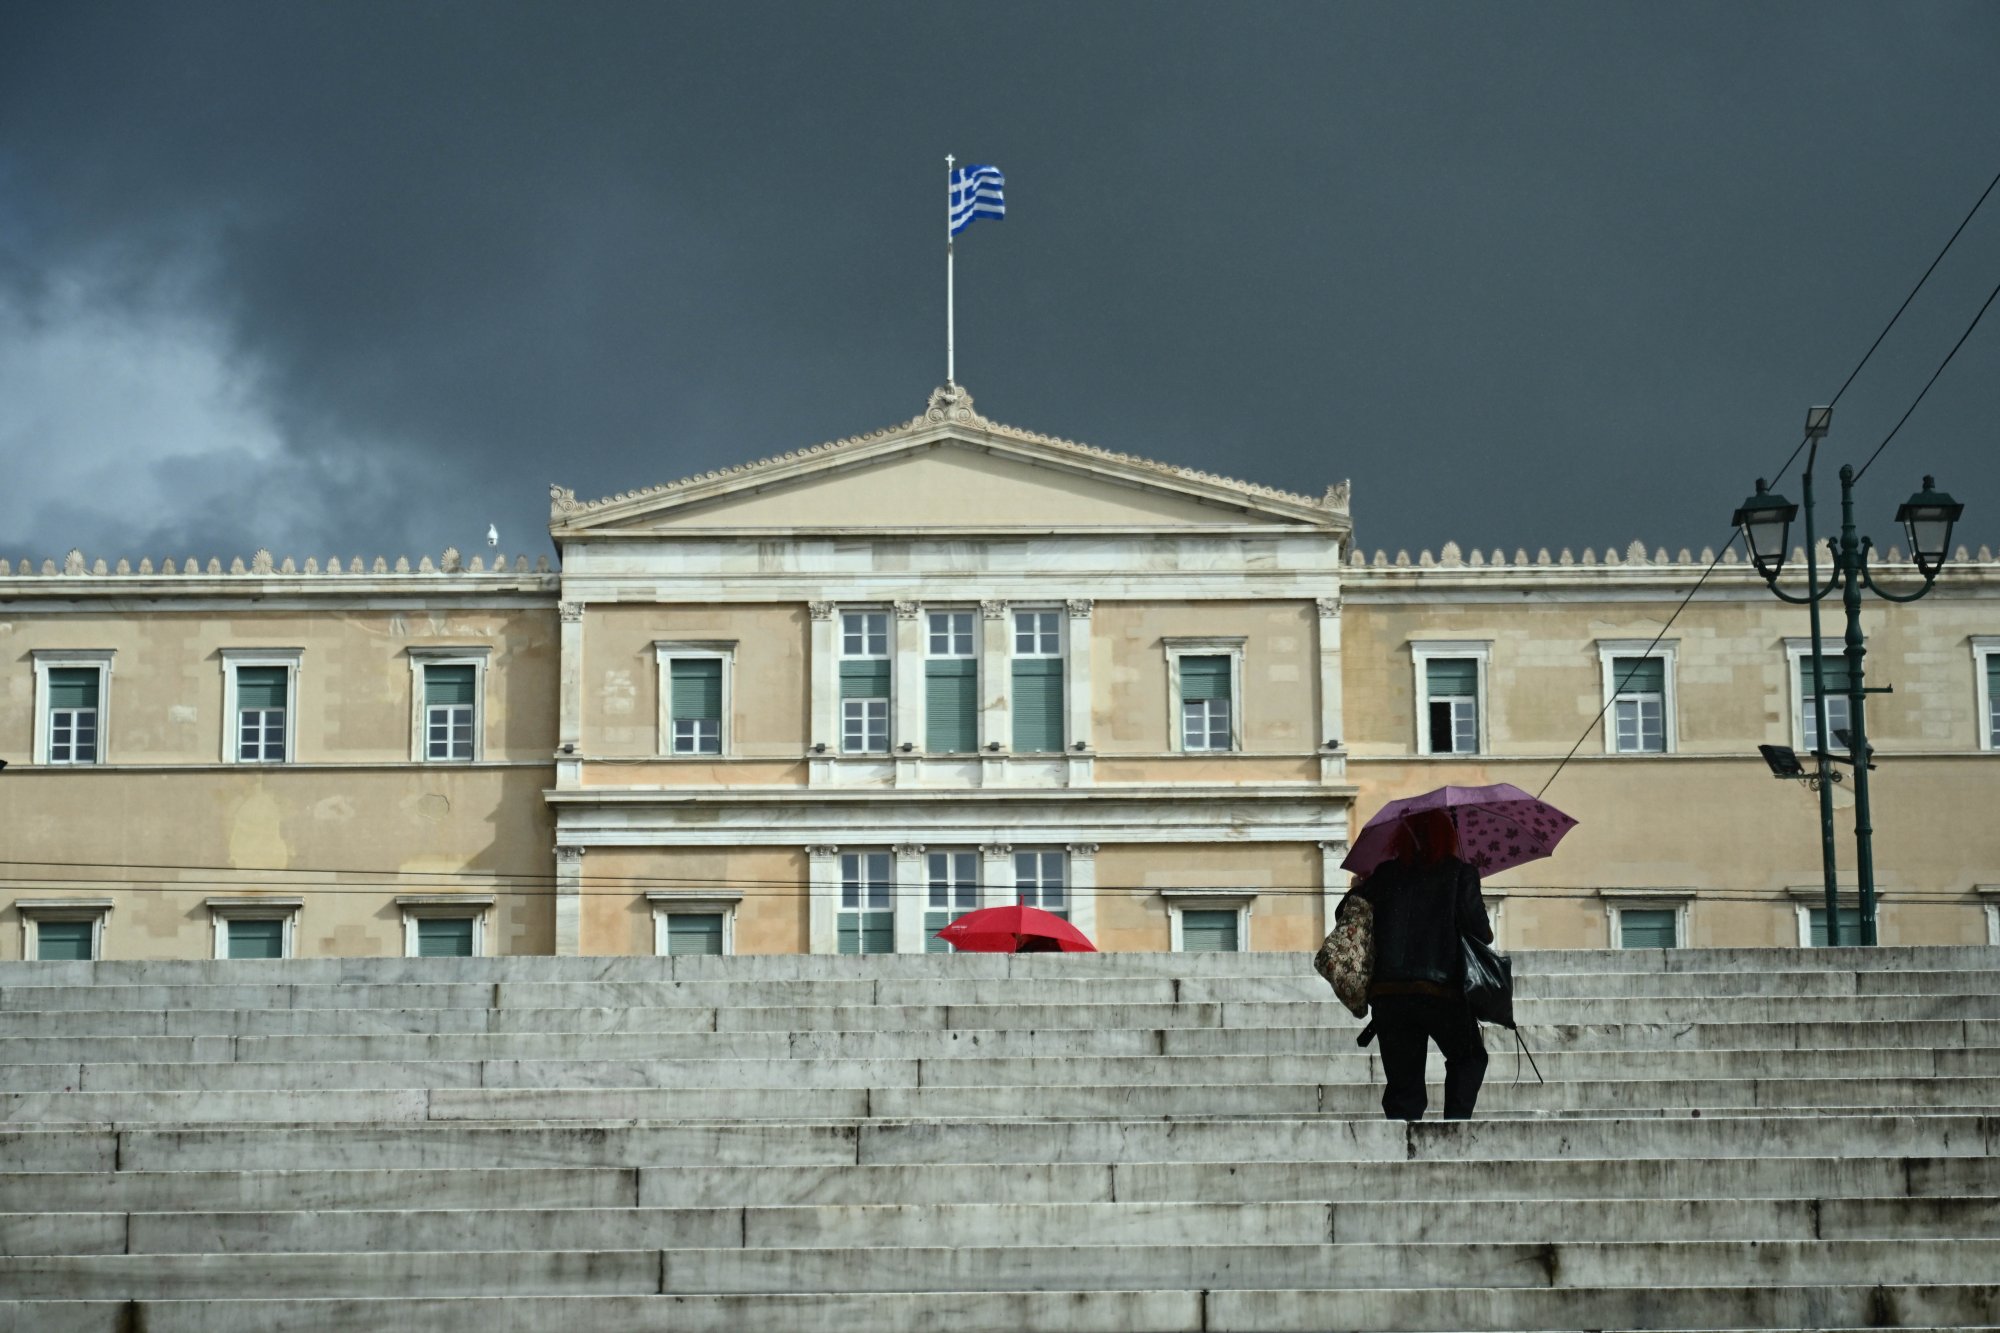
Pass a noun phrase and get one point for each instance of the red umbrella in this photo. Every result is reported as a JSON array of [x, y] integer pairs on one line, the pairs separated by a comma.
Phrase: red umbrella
[[1015, 929]]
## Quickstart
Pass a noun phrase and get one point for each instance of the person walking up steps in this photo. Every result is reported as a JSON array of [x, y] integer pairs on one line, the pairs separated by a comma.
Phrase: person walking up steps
[[1423, 899]]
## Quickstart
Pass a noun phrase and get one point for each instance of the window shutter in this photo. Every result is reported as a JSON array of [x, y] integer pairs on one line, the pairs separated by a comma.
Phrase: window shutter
[[697, 689], [1647, 928], [867, 932], [73, 687], [257, 938], [1204, 678], [64, 940], [865, 679], [951, 706], [442, 685], [933, 923], [1452, 677], [260, 687], [1850, 926], [694, 932], [1638, 675], [444, 937], [1208, 932], [1038, 704]]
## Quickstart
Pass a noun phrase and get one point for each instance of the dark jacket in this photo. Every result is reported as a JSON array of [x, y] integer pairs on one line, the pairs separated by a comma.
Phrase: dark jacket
[[1420, 912]]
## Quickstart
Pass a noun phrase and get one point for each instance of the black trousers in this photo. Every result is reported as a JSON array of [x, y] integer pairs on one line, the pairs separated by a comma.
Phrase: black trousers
[[1406, 1025]]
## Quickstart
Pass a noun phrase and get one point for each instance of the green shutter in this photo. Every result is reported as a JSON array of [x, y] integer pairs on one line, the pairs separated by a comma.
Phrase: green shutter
[[694, 932], [58, 941], [865, 679], [258, 938], [73, 687], [697, 689], [933, 923], [1647, 928], [1850, 927], [951, 706], [260, 687], [867, 932], [442, 685], [1638, 675], [1038, 704], [1204, 678], [1208, 932], [1832, 669], [444, 937], [1452, 677]]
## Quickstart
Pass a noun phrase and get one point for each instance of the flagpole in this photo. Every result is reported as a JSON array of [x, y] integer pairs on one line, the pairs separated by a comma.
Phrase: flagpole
[[950, 315]]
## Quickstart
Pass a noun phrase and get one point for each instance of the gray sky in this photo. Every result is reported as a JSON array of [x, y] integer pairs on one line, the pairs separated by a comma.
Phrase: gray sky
[[360, 278]]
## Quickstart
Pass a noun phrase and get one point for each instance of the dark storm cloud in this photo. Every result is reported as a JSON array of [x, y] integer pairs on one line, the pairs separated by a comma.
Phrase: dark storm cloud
[[354, 277]]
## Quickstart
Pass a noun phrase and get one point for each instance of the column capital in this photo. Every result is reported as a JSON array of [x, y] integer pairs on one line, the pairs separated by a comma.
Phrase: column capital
[[993, 610], [569, 856], [996, 849], [905, 610], [908, 850], [1334, 845], [1082, 849], [1080, 607], [822, 851], [571, 612], [1329, 607], [820, 610]]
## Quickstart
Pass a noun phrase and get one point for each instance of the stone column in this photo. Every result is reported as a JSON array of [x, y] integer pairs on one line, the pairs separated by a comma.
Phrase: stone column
[[569, 901], [1082, 887], [1332, 720], [906, 732], [823, 667], [1076, 693], [823, 889], [996, 876], [910, 897], [996, 683], [1332, 882], [569, 729]]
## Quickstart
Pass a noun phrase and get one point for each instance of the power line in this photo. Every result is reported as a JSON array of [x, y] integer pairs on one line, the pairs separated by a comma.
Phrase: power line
[[1927, 383]]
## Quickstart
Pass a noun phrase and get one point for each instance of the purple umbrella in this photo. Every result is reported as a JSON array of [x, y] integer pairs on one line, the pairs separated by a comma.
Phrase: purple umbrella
[[1499, 827]]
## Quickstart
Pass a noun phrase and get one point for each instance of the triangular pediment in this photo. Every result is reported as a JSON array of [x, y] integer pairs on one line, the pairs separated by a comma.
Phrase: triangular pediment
[[948, 469]]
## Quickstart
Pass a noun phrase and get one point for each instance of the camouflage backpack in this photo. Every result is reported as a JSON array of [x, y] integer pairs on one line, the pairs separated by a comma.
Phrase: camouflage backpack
[[1347, 958]]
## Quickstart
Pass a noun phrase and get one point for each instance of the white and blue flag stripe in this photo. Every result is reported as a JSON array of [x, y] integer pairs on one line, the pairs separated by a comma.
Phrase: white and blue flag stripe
[[976, 192]]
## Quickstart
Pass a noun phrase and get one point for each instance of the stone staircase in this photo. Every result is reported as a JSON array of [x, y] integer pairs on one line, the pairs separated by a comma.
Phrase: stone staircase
[[1727, 1140]]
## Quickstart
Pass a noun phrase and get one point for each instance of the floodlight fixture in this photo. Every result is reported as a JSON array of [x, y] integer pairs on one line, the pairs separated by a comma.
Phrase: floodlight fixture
[[1784, 761]]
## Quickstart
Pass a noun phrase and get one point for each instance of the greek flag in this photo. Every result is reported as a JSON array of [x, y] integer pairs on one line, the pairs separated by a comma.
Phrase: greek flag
[[976, 193]]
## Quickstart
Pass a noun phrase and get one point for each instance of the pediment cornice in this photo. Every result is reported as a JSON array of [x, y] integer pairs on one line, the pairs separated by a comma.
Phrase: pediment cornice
[[949, 415]]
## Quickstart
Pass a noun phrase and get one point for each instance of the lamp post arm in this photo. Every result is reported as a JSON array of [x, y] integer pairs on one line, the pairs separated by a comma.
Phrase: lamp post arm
[[1868, 579], [1833, 585]]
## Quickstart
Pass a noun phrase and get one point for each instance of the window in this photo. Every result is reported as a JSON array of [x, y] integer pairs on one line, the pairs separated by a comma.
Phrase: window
[[1038, 682], [254, 927], [1648, 928], [1208, 931], [951, 684], [867, 917], [953, 882], [1815, 927], [1450, 695], [1986, 689], [449, 692], [445, 925], [259, 689], [864, 682], [1205, 703], [695, 702], [1039, 881], [62, 929], [1839, 717], [70, 687], [1638, 695], [690, 922]]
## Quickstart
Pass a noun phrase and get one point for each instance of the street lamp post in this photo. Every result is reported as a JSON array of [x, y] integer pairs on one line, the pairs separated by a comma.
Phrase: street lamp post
[[1765, 519]]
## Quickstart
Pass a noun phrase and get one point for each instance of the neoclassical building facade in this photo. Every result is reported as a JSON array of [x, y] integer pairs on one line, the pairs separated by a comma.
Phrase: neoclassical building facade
[[826, 701]]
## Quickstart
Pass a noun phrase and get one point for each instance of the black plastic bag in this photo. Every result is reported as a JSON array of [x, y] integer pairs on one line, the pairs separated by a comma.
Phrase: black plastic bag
[[1489, 983]]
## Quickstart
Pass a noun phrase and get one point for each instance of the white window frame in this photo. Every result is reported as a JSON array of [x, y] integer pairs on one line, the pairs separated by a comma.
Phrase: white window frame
[[1015, 610], [415, 906], [223, 910], [1617, 903], [475, 657], [888, 655], [1798, 656], [233, 660], [665, 653], [1421, 653], [1214, 645], [1806, 898], [973, 655], [1668, 652], [34, 911], [864, 885], [1068, 885], [1990, 896], [971, 614], [52, 659], [1983, 647], [669, 903], [1207, 900]]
